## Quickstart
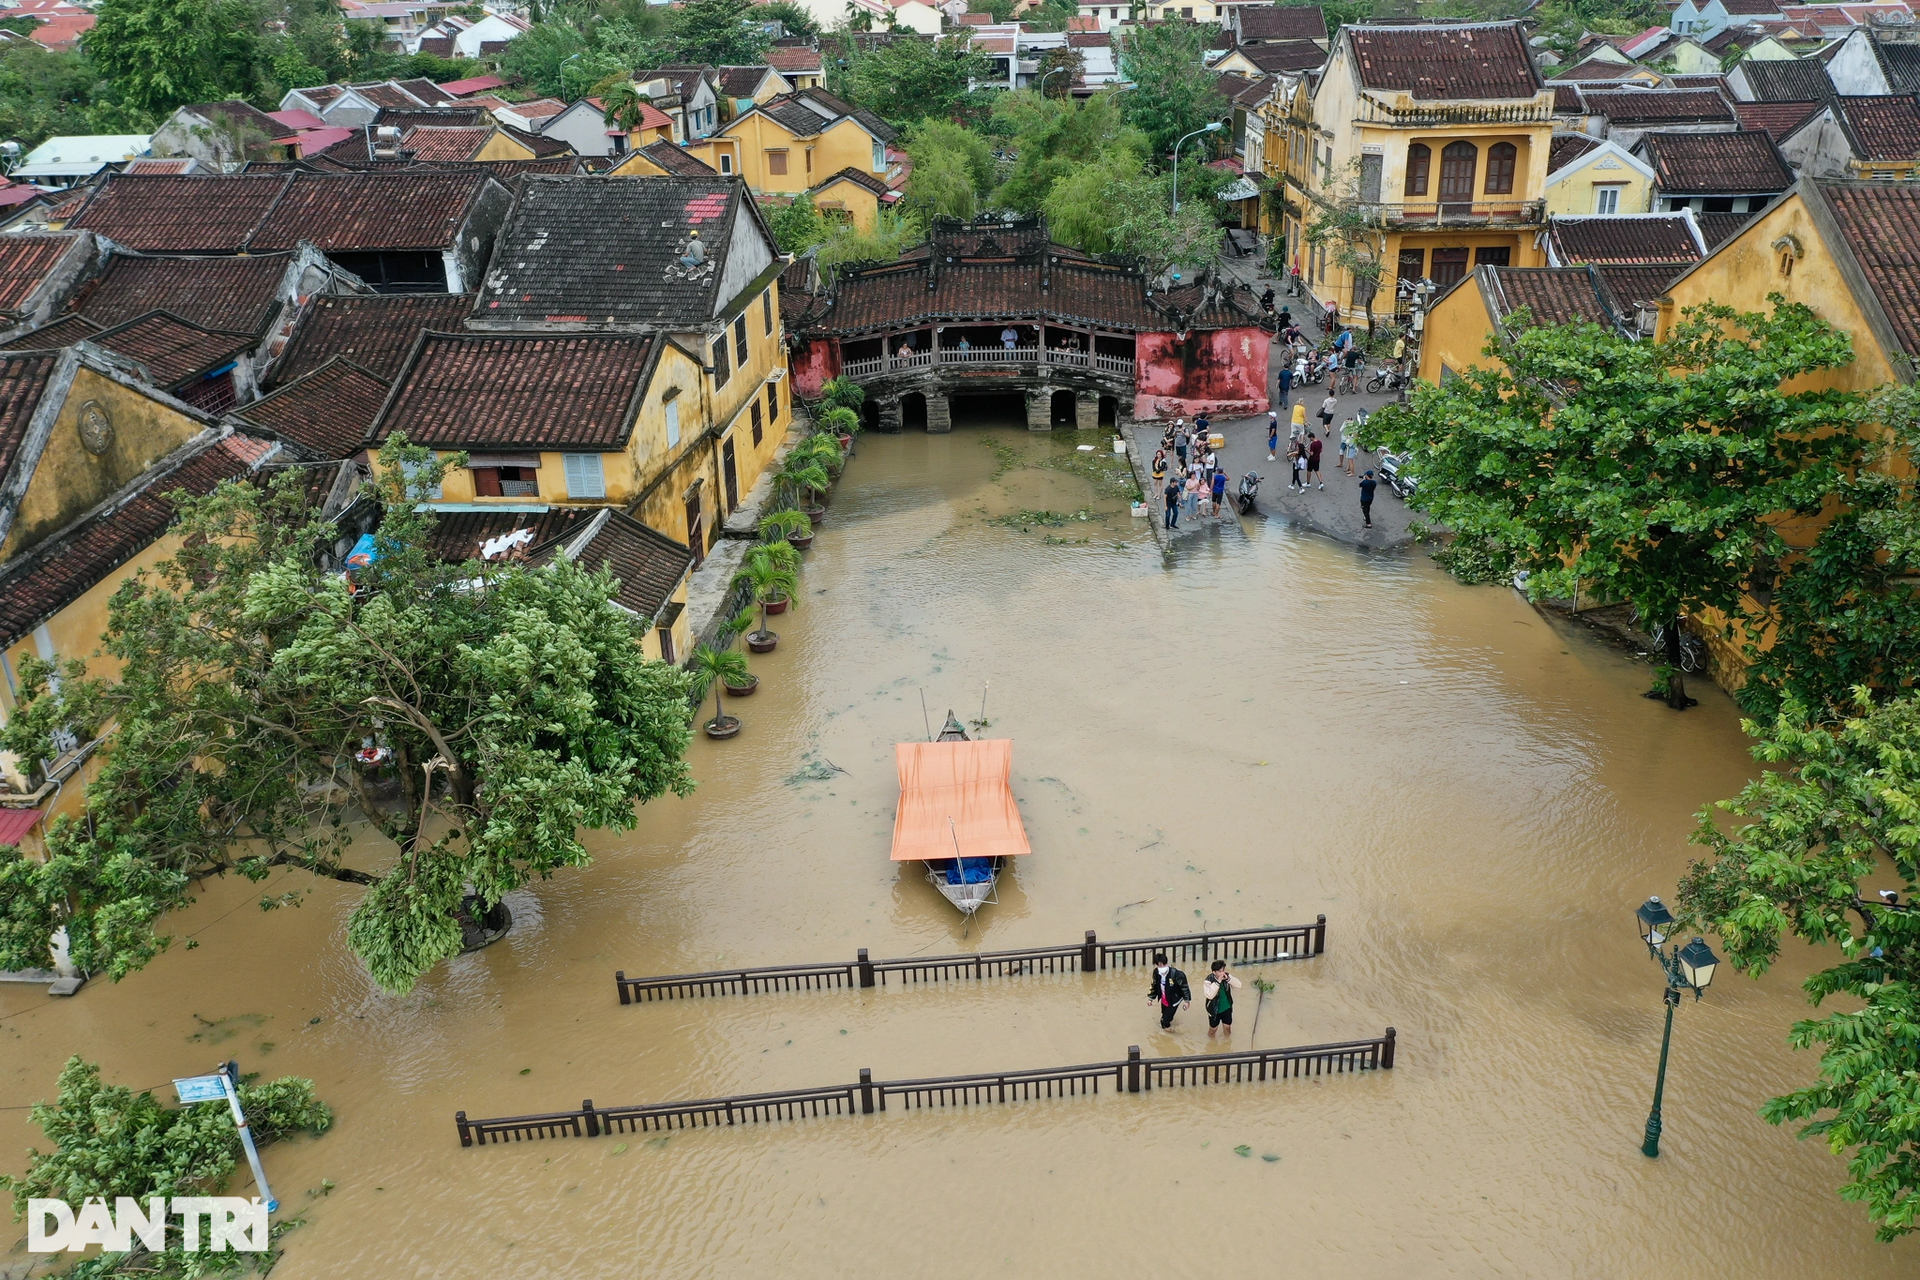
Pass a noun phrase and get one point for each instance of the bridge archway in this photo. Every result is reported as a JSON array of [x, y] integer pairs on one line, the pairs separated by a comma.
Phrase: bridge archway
[[1061, 410], [1109, 411], [913, 411]]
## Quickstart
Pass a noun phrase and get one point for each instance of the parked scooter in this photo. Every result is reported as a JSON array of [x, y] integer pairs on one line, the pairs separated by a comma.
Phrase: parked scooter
[[1249, 485], [1388, 379]]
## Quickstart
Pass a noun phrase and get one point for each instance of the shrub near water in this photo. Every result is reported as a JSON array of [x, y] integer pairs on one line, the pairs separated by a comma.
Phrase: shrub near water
[[109, 1141]]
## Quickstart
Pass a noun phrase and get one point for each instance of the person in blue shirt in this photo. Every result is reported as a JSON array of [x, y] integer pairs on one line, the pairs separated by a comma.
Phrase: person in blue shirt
[[1219, 490], [1286, 383]]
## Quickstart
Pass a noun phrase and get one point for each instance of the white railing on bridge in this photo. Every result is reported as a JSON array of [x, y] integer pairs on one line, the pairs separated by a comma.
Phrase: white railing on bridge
[[1065, 357]]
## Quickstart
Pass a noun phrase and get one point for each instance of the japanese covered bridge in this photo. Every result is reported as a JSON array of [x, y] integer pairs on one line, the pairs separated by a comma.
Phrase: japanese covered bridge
[[991, 310]]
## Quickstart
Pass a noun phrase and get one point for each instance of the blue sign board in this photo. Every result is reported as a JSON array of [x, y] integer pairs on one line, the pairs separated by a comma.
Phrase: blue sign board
[[202, 1089]]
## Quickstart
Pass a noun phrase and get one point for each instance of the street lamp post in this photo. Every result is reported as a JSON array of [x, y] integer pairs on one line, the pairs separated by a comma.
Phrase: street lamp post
[[1214, 127], [1688, 968], [1043, 78]]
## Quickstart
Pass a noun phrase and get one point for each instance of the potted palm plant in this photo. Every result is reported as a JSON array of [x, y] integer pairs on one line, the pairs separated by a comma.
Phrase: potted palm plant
[[802, 476], [712, 668], [790, 525], [842, 424], [771, 570], [737, 687]]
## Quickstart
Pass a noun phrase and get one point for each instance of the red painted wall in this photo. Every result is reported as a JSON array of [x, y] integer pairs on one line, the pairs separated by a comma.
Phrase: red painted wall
[[1223, 371], [817, 362]]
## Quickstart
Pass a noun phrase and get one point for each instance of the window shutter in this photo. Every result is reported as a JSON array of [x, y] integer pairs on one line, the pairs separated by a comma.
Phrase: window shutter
[[740, 340], [673, 423], [1370, 168], [585, 478]]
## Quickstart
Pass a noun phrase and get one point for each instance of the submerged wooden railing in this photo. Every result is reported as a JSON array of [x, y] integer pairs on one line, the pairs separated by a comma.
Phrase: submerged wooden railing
[[1132, 1074], [1244, 946]]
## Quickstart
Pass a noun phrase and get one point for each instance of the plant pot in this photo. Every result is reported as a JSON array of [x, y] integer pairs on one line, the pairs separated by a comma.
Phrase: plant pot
[[762, 641], [815, 514], [741, 690], [846, 444], [775, 605], [801, 544], [482, 928], [724, 727]]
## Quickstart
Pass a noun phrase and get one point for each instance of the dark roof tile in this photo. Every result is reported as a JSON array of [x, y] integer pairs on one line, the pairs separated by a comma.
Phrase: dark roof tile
[[1632, 286], [1552, 295], [164, 213], [1281, 22], [238, 293], [1632, 107], [1651, 238], [328, 412], [25, 261], [576, 391], [1787, 80], [447, 143], [675, 159], [375, 333], [1883, 127], [649, 565], [1718, 228], [1567, 101], [1595, 69], [1746, 162], [1285, 55], [609, 250], [1778, 119], [362, 212], [24, 376], [244, 114], [54, 335], [741, 82], [1446, 62], [459, 535], [172, 350], [1881, 224], [1568, 147]]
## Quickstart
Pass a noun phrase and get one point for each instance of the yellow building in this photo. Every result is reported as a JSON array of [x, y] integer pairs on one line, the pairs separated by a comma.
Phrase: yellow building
[[852, 196], [793, 142], [641, 359], [665, 159], [1440, 136], [1589, 175], [80, 510], [1478, 311]]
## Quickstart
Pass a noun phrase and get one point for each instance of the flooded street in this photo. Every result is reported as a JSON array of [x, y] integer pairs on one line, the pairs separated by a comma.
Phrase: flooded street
[[1270, 727]]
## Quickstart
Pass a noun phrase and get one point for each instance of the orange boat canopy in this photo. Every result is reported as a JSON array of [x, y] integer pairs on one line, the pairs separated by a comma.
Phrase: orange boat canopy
[[966, 782]]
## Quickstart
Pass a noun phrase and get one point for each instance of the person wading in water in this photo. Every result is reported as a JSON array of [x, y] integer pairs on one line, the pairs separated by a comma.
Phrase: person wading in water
[[1169, 990], [1216, 996]]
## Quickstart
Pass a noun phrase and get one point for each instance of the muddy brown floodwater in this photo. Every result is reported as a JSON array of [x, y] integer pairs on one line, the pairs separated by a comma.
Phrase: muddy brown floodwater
[[1269, 727]]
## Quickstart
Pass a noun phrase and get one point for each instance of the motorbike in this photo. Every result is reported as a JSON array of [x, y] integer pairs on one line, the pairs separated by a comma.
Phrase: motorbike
[[1249, 485], [1387, 379], [1393, 470]]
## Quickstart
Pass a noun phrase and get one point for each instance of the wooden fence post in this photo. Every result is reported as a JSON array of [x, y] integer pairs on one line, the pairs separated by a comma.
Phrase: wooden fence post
[[466, 1135], [1386, 1051], [1319, 935], [620, 984], [1133, 1068], [593, 1119], [1087, 949], [866, 969], [866, 1087]]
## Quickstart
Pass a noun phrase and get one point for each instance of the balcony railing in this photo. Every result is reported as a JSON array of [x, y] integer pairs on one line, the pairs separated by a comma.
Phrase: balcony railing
[[1461, 213], [1061, 357]]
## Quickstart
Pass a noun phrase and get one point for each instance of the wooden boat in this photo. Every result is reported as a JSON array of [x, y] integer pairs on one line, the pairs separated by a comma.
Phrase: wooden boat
[[957, 813]]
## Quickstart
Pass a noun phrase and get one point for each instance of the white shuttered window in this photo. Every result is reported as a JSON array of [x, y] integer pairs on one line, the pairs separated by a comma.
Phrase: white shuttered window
[[584, 477]]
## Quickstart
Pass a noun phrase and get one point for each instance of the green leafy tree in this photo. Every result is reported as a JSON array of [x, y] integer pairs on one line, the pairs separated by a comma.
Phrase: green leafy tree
[[946, 135], [894, 231], [842, 393], [725, 33], [44, 92], [1844, 613], [795, 19], [1346, 228], [1059, 69], [1059, 140], [998, 10], [1837, 807], [797, 227], [1650, 472], [109, 1142], [771, 570], [507, 708], [908, 80], [942, 182], [1078, 204], [162, 54], [540, 57], [1176, 93]]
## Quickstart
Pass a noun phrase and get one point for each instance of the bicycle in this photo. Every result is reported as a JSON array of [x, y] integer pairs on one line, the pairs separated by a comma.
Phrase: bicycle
[[1693, 651]]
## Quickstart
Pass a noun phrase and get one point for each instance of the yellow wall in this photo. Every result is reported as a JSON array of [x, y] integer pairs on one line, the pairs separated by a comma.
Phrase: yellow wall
[[503, 146], [1572, 194], [851, 200], [1457, 330], [70, 481], [809, 160]]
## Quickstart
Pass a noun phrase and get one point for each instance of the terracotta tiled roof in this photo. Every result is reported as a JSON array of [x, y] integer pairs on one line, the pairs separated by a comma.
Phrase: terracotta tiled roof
[[741, 82], [25, 261], [1229, 83], [1752, 8], [1285, 55], [172, 350], [447, 117], [53, 574], [161, 164], [1281, 22], [458, 535], [859, 177], [1881, 225], [1745, 162], [1568, 147], [23, 380], [328, 412], [1553, 295], [1633, 286], [164, 214], [540, 391], [1718, 228], [1779, 119], [426, 90], [541, 146], [1446, 62], [54, 335], [1089, 40], [1883, 128], [1715, 83], [1089, 293], [1787, 80], [610, 250], [1654, 238], [675, 159], [438, 46], [1634, 107], [236, 293], [649, 565], [1567, 101], [447, 144], [368, 211], [375, 333], [788, 59]]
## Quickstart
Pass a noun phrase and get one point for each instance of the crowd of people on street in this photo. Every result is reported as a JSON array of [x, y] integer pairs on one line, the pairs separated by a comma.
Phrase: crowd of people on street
[[1192, 482]]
